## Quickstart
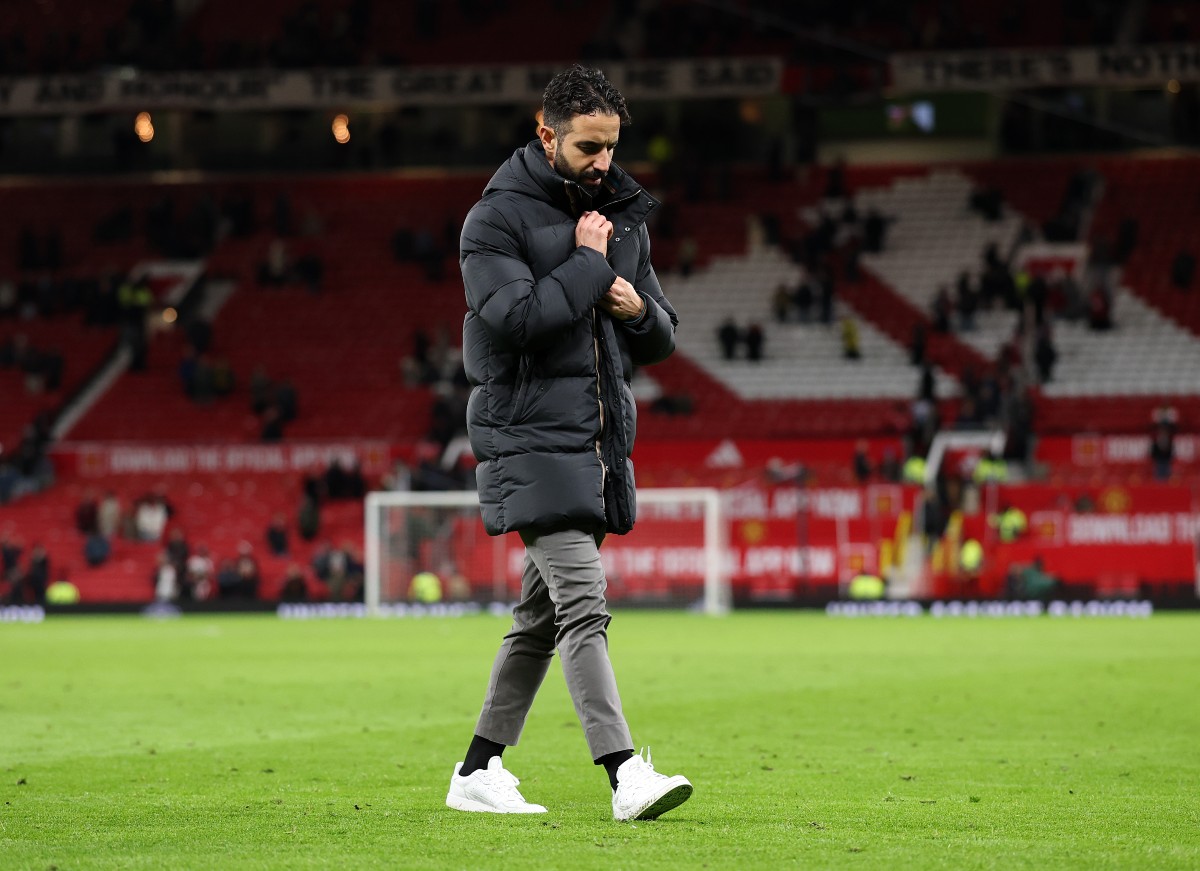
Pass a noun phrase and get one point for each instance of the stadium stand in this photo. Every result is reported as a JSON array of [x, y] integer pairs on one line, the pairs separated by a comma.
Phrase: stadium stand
[[342, 346]]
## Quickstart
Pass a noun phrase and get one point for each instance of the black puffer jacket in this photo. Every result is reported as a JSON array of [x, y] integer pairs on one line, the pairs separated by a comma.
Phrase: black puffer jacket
[[547, 365]]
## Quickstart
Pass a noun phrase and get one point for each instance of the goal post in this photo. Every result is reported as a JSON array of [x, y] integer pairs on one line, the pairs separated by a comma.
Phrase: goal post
[[431, 547]]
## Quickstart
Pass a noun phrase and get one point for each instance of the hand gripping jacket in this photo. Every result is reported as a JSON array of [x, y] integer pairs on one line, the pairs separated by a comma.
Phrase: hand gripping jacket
[[551, 417]]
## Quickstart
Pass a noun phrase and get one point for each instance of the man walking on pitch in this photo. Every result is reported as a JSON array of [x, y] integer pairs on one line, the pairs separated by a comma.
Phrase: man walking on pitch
[[562, 303]]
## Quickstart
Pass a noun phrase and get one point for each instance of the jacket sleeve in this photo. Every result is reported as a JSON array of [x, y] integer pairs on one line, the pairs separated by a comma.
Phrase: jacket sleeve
[[652, 338], [518, 312]]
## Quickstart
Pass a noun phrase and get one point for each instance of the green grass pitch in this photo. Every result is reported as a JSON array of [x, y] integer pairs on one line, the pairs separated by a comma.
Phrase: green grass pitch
[[249, 742]]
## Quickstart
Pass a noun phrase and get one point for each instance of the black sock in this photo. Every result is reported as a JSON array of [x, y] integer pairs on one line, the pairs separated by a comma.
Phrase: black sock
[[612, 762], [478, 754]]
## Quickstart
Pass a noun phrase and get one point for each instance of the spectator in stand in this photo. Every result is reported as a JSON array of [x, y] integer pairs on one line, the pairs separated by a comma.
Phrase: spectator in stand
[[228, 580], [1162, 451], [199, 575], [1099, 311], [199, 334], [108, 517], [272, 425], [286, 400], [308, 519], [14, 350], [874, 231], [246, 567], [827, 290], [889, 465], [310, 269], [417, 367], [87, 513], [927, 389], [333, 567], [11, 549], [150, 518], [862, 462], [850, 348], [1045, 355], [988, 202], [754, 342], [781, 304], [730, 337], [337, 479], [187, 371], [276, 270], [96, 549], [177, 550], [1031, 582], [222, 377], [321, 561], [803, 300], [1166, 415], [8, 298], [294, 589], [942, 310], [968, 302], [204, 387], [30, 588], [166, 579], [277, 535], [1183, 270], [917, 345]]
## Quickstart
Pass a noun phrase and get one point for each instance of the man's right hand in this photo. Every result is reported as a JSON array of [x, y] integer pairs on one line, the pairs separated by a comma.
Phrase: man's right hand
[[594, 230]]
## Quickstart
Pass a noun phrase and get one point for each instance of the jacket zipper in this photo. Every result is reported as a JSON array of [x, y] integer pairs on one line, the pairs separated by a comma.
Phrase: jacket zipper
[[600, 405]]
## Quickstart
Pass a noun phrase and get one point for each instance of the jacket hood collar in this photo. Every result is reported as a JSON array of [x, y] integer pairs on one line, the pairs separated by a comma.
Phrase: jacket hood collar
[[529, 172]]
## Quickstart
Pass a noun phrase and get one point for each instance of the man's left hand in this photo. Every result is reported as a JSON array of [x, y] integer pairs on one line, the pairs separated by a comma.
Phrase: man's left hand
[[622, 301]]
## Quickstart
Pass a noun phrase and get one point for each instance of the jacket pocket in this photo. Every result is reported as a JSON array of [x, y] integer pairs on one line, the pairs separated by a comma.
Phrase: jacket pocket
[[520, 391]]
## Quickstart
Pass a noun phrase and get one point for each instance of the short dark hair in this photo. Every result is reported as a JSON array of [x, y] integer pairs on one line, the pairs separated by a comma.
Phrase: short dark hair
[[580, 90]]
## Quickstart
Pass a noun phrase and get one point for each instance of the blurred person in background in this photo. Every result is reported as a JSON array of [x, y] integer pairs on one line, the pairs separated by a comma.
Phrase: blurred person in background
[[277, 535], [294, 589], [30, 587], [199, 574], [562, 303]]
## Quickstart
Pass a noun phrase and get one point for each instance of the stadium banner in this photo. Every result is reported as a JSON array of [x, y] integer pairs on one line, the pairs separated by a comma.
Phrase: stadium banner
[[1091, 499], [100, 460], [777, 543], [1001, 69], [1110, 450], [135, 91]]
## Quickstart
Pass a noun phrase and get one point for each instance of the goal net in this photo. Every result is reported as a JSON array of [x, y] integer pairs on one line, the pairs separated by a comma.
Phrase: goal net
[[432, 548]]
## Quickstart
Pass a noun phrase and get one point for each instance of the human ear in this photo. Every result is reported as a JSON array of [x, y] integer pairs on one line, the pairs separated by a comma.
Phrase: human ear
[[549, 140]]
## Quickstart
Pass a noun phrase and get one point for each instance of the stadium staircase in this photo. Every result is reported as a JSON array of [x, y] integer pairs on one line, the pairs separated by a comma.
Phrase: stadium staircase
[[71, 212], [1117, 380]]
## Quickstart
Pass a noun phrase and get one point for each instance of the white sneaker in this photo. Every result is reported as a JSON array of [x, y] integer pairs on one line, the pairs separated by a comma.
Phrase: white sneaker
[[490, 790], [643, 794]]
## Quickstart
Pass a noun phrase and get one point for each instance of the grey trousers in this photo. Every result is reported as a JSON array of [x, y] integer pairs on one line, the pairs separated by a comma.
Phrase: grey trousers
[[562, 605]]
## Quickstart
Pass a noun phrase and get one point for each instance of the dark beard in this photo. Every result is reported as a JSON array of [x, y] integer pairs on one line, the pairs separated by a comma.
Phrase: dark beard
[[563, 168]]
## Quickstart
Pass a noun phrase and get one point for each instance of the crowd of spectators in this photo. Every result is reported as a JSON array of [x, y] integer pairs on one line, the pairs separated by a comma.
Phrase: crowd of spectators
[[186, 573]]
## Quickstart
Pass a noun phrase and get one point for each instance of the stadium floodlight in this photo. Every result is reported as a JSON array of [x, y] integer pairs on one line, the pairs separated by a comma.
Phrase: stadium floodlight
[[431, 547]]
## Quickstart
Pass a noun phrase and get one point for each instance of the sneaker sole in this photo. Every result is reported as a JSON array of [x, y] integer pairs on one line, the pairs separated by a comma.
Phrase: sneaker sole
[[459, 803], [669, 800]]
